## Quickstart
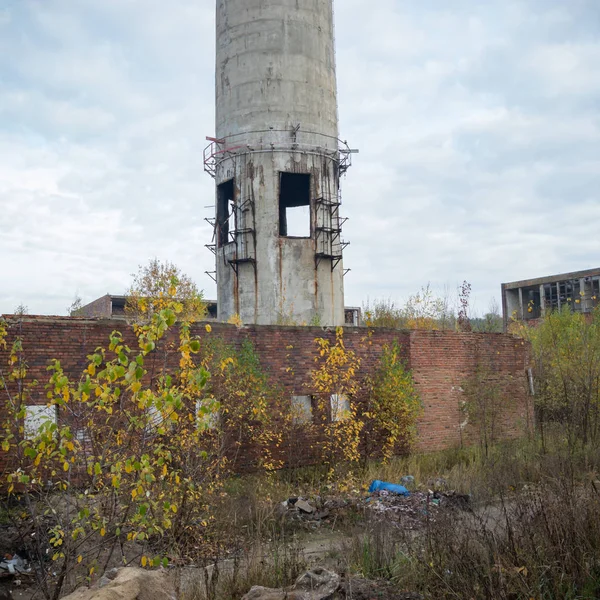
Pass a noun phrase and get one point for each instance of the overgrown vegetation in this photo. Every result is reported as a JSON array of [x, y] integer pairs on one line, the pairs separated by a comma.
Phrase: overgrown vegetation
[[430, 311], [566, 355], [423, 310], [126, 462], [532, 530], [129, 463], [391, 408], [139, 467]]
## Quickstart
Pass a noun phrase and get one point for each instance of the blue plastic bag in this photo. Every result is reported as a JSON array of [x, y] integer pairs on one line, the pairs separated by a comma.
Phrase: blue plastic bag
[[394, 488]]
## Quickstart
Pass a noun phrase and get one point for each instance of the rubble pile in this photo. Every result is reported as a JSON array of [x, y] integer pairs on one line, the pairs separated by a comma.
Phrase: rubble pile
[[409, 509], [412, 512]]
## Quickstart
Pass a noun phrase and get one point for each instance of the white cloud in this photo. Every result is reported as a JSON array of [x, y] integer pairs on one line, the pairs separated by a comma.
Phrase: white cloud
[[477, 125]]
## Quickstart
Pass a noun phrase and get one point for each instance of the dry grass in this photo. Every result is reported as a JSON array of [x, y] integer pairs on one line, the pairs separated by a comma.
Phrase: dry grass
[[534, 531]]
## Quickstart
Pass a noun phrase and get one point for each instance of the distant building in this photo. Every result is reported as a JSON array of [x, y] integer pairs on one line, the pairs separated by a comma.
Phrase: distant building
[[527, 300], [113, 307]]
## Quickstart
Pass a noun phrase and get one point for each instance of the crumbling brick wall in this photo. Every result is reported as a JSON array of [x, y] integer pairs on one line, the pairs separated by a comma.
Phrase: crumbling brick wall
[[441, 362]]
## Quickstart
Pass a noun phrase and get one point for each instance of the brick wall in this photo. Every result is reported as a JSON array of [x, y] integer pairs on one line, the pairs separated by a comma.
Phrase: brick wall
[[442, 364]]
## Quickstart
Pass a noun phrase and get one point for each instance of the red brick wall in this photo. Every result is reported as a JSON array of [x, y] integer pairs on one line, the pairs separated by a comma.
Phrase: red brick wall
[[441, 362]]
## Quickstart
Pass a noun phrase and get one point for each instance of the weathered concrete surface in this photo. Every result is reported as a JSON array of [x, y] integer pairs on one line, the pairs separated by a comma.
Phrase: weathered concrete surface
[[276, 111], [129, 584]]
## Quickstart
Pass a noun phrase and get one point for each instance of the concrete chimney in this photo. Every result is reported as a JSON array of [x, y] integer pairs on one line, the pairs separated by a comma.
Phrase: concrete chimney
[[277, 161]]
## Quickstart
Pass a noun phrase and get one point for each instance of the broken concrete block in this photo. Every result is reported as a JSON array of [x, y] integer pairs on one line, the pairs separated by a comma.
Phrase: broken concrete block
[[317, 584], [304, 507]]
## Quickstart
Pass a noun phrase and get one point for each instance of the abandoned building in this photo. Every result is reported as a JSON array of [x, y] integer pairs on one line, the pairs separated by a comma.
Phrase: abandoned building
[[529, 299], [277, 162], [113, 307], [110, 306]]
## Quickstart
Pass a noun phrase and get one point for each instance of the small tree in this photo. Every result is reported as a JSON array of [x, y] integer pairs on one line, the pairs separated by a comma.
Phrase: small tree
[[74, 309], [491, 322], [392, 406], [129, 459], [336, 385], [21, 310], [252, 412], [566, 353], [483, 406], [464, 297], [158, 284]]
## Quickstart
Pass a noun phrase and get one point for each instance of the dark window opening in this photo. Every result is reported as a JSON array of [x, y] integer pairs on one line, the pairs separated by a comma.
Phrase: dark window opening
[[225, 216], [550, 296], [532, 301], [294, 204]]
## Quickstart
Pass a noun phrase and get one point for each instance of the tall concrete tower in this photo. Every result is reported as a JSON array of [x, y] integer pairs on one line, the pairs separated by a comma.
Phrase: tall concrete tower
[[277, 162]]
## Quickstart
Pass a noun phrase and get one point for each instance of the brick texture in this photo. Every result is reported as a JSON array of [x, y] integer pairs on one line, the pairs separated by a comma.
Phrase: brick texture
[[442, 362]]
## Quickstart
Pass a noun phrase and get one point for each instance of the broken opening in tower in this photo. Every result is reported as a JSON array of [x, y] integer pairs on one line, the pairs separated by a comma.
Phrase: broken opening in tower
[[294, 205], [225, 216]]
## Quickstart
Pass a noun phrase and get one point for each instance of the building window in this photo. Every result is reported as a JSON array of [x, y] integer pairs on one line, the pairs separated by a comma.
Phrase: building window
[[225, 216], [595, 291], [294, 205], [155, 418], [550, 296], [302, 410], [208, 414], [532, 301], [36, 416], [340, 407]]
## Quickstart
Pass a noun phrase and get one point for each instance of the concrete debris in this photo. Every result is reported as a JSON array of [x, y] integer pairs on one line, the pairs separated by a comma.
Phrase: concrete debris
[[303, 510], [129, 584], [316, 584], [304, 506]]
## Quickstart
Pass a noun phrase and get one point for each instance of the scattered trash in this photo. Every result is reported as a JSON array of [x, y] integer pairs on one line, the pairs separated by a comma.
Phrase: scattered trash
[[13, 564], [411, 510], [408, 481], [394, 488]]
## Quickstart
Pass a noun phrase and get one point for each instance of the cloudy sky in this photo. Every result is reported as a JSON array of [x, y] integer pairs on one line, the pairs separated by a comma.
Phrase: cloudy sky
[[478, 126]]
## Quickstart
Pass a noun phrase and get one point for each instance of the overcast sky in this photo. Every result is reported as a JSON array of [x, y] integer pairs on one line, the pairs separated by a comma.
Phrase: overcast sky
[[477, 122]]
